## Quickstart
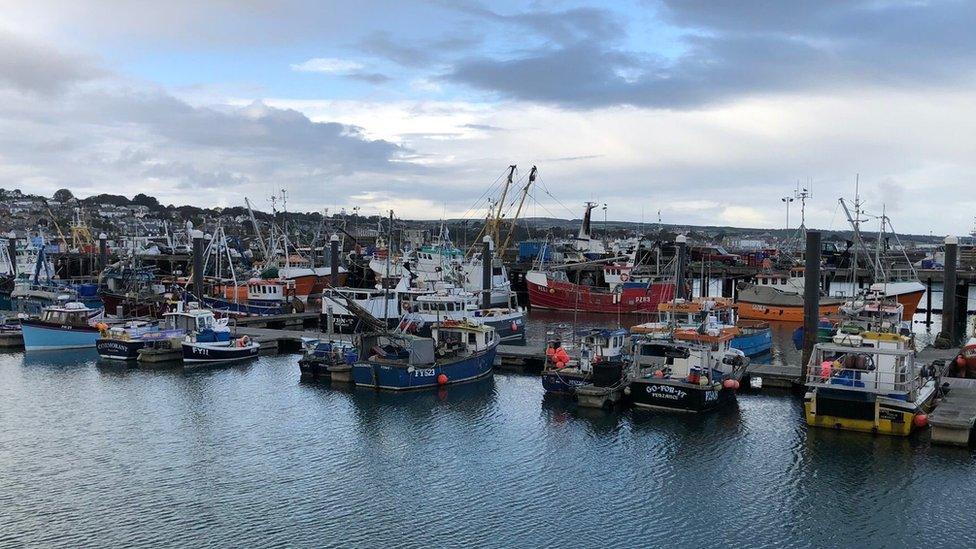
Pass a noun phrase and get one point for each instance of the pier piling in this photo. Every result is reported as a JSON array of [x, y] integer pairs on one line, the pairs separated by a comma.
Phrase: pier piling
[[334, 260], [949, 289], [197, 263], [679, 282], [811, 294], [102, 251]]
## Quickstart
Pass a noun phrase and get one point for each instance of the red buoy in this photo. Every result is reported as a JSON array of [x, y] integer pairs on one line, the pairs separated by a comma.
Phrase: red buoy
[[921, 420], [442, 379], [729, 384]]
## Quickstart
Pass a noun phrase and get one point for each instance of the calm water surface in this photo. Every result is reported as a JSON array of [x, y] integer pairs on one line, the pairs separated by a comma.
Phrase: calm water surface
[[98, 454]]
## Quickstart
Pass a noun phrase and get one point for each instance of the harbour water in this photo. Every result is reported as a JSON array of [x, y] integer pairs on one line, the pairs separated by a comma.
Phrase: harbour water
[[94, 453]]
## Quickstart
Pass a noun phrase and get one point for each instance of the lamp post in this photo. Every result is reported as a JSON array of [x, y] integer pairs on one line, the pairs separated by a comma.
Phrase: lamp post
[[787, 200]]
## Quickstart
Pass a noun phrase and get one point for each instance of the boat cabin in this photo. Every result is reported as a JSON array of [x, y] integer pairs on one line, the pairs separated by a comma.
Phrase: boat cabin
[[791, 282], [72, 313], [885, 371], [190, 319], [683, 355], [452, 337], [600, 345], [277, 291]]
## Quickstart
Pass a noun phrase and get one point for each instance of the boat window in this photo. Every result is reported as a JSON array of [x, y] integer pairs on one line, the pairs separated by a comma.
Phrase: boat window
[[472, 339]]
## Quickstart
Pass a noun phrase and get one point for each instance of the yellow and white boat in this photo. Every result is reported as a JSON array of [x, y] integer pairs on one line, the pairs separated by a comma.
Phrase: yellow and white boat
[[868, 382]]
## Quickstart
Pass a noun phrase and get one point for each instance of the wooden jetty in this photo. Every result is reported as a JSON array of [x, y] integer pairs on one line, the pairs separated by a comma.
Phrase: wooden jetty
[[953, 419], [528, 357], [276, 321], [777, 376]]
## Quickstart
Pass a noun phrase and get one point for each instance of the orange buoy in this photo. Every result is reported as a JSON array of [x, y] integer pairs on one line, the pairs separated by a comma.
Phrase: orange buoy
[[960, 361], [442, 379], [659, 374], [729, 384], [921, 420]]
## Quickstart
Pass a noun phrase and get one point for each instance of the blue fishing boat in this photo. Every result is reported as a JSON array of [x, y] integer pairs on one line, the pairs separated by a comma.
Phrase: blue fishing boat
[[599, 362], [752, 337], [755, 337], [456, 352], [70, 325], [208, 339]]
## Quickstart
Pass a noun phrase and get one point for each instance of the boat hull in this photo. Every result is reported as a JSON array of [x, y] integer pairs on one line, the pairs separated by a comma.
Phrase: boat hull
[[398, 377], [663, 394], [754, 341], [546, 293], [563, 382], [40, 336], [910, 303], [862, 412], [209, 353], [243, 307], [114, 349], [758, 311]]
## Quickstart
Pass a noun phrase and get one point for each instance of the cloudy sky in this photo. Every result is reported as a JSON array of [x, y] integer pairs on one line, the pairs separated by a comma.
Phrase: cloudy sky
[[708, 112]]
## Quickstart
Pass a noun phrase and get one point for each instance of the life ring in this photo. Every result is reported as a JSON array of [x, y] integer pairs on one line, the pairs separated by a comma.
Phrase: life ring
[[624, 277], [405, 307]]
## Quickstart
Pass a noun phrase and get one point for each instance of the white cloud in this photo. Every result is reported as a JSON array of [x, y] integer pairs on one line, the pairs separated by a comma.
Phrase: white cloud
[[328, 65]]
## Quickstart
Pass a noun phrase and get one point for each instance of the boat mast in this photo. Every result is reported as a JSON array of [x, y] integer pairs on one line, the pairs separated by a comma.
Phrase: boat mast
[[518, 212], [257, 229], [386, 284]]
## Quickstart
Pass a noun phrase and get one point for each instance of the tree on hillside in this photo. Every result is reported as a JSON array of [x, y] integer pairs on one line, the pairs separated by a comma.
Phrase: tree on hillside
[[63, 195], [144, 200]]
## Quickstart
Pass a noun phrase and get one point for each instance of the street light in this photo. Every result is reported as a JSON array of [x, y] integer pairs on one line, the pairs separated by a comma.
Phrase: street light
[[787, 200], [605, 222]]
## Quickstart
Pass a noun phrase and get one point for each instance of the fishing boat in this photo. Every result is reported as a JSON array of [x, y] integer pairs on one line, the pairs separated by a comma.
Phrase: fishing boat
[[70, 325], [450, 303], [123, 342], [264, 297], [598, 369], [689, 370], [386, 305], [869, 312], [868, 382], [752, 337], [456, 352], [208, 339], [553, 290], [324, 360], [779, 297]]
